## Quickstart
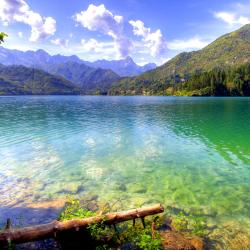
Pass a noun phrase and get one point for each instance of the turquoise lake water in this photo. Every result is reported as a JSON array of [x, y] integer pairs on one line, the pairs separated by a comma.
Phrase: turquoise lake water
[[191, 154]]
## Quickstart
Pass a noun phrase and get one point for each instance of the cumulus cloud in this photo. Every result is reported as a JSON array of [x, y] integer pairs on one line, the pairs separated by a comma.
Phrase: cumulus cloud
[[153, 40], [19, 11], [232, 18], [98, 18], [64, 43], [20, 34], [189, 44], [92, 45]]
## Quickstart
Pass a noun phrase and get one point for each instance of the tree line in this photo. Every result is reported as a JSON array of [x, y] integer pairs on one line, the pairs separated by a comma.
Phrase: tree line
[[233, 81]]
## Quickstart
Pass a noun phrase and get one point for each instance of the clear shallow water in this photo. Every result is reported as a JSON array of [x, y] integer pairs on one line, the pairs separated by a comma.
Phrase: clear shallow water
[[187, 153]]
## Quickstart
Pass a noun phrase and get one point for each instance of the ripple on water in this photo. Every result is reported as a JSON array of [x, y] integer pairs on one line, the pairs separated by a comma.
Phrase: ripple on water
[[190, 154]]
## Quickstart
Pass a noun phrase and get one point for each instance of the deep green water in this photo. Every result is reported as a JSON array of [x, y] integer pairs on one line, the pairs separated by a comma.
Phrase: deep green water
[[191, 154]]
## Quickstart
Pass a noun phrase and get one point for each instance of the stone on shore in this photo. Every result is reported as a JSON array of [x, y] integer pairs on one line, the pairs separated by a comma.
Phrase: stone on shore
[[176, 241]]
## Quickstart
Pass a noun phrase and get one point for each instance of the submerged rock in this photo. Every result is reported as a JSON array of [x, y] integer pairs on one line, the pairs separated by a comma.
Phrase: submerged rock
[[56, 204], [122, 187], [176, 241], [80, 189]]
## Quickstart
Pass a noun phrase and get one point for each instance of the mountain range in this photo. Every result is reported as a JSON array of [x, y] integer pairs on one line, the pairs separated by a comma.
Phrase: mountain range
[[124, 67], [43, 60], [91, 77]]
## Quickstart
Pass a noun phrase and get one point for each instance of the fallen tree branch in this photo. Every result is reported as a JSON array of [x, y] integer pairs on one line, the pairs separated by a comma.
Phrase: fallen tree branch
[[50, 230]]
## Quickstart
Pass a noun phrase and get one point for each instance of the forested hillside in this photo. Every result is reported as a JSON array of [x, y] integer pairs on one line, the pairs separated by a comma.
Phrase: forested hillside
[[20, 80], [226, 53]]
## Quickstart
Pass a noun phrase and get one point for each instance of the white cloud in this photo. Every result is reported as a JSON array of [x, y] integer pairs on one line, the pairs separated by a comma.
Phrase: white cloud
[[98, 18], [153, 40], [20, 34], [92, 45], [189, 44], [64, 43], [19, 11], [142, 61], [232, 18]]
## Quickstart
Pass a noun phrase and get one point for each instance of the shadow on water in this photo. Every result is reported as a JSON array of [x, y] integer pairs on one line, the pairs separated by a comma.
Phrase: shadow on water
[[27, 216]]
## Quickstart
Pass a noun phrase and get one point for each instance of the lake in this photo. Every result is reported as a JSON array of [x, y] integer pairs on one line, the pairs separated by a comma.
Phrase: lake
[[190, 154]]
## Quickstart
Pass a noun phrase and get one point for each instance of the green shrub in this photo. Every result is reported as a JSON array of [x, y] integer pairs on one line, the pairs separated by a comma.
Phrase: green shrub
[[137, 236], [74, 210]]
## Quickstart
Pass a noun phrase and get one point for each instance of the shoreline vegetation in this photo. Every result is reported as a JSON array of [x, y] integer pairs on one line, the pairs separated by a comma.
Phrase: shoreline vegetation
[[234, 81], [155, 232]]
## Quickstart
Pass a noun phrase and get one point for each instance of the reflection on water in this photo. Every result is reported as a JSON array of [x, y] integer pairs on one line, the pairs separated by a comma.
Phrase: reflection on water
[[188, 153]]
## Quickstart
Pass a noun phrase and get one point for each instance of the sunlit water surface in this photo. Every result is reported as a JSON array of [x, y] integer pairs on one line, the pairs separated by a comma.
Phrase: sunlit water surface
[[191, 154]]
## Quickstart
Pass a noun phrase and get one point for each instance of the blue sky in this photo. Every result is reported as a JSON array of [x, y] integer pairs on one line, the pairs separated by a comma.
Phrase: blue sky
[[146, 30]]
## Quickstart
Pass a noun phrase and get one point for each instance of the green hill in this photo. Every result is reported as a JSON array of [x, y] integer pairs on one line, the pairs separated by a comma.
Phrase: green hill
[[228, 51], [90, 80], [20, 80]]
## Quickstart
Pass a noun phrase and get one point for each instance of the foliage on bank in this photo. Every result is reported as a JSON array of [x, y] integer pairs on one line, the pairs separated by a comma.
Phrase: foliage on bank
[[130, 235], [218, 82], [106, 237], [2, 36]]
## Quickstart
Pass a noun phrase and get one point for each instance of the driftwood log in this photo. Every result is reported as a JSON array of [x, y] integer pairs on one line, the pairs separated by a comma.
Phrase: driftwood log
[[49, 230]]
